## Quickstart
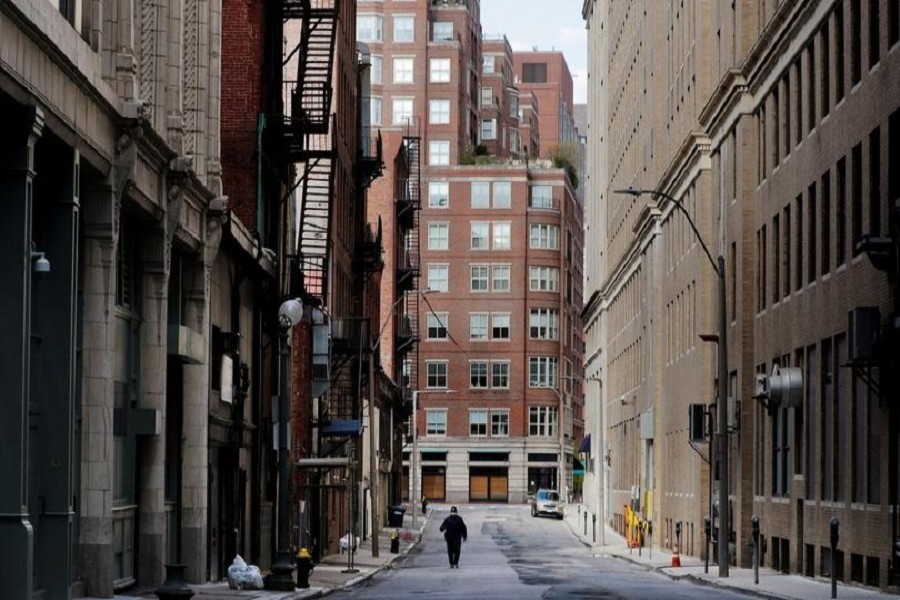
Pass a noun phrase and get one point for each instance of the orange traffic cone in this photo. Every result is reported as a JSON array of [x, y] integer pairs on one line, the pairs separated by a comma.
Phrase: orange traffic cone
[[676, 558]]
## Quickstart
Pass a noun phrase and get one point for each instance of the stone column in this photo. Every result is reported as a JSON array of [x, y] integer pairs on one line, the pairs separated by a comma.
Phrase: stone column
[[195, 468], [54, 374], [16, 181], [99, 226]]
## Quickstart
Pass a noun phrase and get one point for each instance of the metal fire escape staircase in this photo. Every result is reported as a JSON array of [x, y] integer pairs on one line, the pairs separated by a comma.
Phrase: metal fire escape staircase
[[309, 133]]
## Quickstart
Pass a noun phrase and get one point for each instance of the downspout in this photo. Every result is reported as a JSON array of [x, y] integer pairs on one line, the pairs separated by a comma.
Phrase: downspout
[[260, 205]]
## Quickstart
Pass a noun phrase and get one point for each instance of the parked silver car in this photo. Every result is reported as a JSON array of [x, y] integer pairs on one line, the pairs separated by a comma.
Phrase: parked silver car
[[547, 502]]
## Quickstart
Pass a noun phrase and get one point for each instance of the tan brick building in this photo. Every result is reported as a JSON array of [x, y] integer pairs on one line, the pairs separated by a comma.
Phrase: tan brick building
[[775, 125]]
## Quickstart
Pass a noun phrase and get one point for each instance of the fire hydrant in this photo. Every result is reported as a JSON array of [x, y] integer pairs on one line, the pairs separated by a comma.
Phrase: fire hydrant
[[304, 568], [395, 542]]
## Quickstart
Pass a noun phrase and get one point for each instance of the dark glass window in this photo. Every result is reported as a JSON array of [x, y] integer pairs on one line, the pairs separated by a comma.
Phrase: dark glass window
[[534, 73]]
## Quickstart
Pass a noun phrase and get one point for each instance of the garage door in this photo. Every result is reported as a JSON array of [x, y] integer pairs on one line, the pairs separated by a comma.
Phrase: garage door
[[434, 484], [488, 485]]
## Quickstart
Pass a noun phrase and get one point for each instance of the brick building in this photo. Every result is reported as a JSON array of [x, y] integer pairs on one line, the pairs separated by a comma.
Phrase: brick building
[[773, 124]]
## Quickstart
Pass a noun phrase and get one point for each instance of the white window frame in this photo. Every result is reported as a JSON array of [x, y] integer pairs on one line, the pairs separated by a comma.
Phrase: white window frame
[[439, 235], [480, 235], [437, 374], [479, 278], [480, 194], [542, 421], [439, 70], [439, 111], [377, 27], [478, 422], [436, 422], [500, 370], [501, 277], [489, 129], [501, 235], [487, 63], [478, 323], [543, 371], [487, 96], [543, 236], [406, 34], [376, 71], [437, 326], [443, 35], [376, 107], [479, 374], [439, 152], [402, 109], [543, 324], [540, 196], [438, 194], [439, 277], [502, 194], [499, 322], [403, 69], [500, 422], [543, 279]]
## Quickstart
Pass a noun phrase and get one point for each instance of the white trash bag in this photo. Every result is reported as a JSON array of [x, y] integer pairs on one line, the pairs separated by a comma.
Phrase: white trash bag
[[242, 576]]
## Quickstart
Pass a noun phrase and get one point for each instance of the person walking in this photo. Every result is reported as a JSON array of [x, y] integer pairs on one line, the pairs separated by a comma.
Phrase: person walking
[[455, 533]]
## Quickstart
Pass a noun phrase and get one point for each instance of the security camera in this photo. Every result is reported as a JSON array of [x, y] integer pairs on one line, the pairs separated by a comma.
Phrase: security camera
[[219, 204], [41, 265]]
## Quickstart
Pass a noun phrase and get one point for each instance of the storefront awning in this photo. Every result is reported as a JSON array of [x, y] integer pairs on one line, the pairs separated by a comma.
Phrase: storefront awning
[[585, 447]]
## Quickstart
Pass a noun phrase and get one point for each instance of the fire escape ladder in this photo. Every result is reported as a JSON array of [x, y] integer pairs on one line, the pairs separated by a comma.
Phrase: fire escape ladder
[[315, 225], [311, 95]]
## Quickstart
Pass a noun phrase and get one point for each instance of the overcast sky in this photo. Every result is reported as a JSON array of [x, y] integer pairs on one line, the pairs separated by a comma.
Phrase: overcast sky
[[545, 24]]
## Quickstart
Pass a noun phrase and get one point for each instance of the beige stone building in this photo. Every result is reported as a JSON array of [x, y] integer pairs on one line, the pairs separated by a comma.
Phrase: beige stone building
[[775, 127]]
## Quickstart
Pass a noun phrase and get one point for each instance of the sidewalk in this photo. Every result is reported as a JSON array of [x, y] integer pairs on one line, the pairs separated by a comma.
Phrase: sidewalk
[[772, 584], [329, 575]]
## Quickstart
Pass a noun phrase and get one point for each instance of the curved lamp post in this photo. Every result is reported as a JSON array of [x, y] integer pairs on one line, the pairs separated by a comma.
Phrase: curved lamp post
[[290, 314], [724, 554]]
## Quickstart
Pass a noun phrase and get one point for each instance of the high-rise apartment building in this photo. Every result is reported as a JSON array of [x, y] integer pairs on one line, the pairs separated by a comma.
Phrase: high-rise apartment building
[[765, 131], [485, 263]]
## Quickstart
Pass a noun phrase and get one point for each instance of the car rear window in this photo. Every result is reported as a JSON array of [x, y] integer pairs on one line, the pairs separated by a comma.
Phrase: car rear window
[[545, 495]]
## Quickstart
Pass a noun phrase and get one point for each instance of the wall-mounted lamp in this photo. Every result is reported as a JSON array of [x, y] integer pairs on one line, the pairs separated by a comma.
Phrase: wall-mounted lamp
[[41, 265], [608, 458], [218, 208]]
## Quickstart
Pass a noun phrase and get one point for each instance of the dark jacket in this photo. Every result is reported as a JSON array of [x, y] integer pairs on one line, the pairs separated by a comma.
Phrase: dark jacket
[[454, 529]]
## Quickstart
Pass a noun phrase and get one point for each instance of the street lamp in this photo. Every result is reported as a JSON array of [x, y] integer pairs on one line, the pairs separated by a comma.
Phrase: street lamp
[[373, 458], [724, 557], [413, 459], [290, 314]]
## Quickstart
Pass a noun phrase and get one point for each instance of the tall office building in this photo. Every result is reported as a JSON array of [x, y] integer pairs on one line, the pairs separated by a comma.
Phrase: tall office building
[[766, 130], [484, 268]]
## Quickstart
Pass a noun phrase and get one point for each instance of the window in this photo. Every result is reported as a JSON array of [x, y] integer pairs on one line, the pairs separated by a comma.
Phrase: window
[[478, 326], [436, 373], [499, 374], [404, 29], [479, 278], [875, 182], [479, 235], [439, 112], [435, 422], [369, 28], [798, 239], [500, 423], [500, 278], [439, 153], [502, 194], [514, 142], [442, 31], [487, 64], [825, 69], [438, 194], [543, 279], [489, 129], [375, 110], [438, 236], [856, 195], [874, 33], [811, 86], [542, 421], [377, 69], [478, 423], [855, 42], [812, 206], [840, 212], [839, 53], [826, 222], [500, 328], [543, 324], [542, 371], [436, 325], [440, 70], [545, 236], [541, 196], [403, 69], [402, 111], [438, 277], [534, 73], [502, 236], [481, 194], [478, 374], [487, 96]]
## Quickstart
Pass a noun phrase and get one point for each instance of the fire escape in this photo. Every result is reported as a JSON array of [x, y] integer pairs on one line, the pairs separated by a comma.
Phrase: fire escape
[[408, 195], [309, 133]]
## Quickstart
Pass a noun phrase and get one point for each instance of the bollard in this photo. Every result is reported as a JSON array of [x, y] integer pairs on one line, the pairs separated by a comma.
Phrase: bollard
[[707, 530], [754, 530], [594, 518], [835, 535], [585, 523], [174, 587], [676, 555], [650, 538]]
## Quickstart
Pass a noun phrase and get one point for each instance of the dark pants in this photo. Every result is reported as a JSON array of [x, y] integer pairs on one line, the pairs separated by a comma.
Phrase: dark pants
[[453, 551]]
